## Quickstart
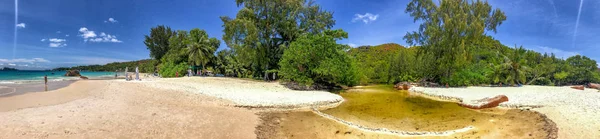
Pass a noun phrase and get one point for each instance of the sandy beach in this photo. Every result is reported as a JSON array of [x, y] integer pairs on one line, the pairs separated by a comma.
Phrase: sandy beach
[[211, 107], [112, 109], [151, 108], [575, 112]]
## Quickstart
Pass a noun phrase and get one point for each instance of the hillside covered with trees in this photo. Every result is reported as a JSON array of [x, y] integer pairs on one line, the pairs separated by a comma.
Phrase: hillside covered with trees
[[145, 66]]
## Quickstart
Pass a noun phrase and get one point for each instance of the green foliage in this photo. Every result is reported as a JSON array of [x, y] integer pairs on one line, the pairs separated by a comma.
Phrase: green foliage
[[170, 69], [450, 31], [228, 64], [158, 41], [200, 48], [472, 75], [583, 69], [319, 59], [262, 30], [145, 66]]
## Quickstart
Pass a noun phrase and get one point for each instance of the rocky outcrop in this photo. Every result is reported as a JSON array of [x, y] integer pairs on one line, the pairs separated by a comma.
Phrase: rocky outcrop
[[402, 86], [485, 103], [83, 77], [72, 73], [594, 85], [579, 87]]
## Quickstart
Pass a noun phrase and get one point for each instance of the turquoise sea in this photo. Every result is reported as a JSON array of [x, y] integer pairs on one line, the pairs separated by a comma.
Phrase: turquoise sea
[[9, 77]]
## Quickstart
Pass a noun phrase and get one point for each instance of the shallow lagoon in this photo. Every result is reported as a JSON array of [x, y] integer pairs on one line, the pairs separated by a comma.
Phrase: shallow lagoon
[[384, 107]]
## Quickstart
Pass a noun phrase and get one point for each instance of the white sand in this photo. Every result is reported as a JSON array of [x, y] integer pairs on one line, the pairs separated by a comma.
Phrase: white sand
[[248, 93], [576, 112], [113, 109]]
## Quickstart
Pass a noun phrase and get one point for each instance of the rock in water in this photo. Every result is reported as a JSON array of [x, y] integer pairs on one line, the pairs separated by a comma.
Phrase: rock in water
[[83, 77], [579, 87], [72, 73], [486, 102], [402, 86]]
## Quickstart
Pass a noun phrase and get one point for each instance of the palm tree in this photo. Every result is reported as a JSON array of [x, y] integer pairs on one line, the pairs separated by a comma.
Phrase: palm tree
[[200, 48], [513, 68]]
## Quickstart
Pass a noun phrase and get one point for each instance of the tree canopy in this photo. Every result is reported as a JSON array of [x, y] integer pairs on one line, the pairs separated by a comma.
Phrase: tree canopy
[[262, 30], [158, 41], [450, 31]]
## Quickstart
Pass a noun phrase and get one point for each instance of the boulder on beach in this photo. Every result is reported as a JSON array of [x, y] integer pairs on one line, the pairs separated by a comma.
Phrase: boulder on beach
[[402, 86], [72, 73], [83, 77], [594, 85], [486, 102], [579, 87]]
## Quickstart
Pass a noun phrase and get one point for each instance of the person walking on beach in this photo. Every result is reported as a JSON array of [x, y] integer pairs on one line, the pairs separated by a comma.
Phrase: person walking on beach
[[45, 82], [189, 71]]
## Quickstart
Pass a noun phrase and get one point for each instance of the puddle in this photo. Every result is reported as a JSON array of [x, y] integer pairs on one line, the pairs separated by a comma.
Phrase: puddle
[[384, 107]]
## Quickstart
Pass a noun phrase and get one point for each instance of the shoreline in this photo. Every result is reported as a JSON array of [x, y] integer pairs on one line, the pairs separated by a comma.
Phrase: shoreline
[[33, 86]]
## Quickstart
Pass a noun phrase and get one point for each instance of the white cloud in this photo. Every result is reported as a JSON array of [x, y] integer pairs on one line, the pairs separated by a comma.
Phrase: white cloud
[[57, 45], [67, 35], [366, 18], [558, 52], [11, 64], [89, 35], [23, 60], [58, 32], [85, 33], [111, 20], [55, 42], [352, 45], [21, 25]]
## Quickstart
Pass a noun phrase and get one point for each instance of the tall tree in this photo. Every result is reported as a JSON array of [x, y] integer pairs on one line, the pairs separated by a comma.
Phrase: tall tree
[[263, 29], [319, 59], [200, 48], [158, 41], [450, 30], [583, 69]]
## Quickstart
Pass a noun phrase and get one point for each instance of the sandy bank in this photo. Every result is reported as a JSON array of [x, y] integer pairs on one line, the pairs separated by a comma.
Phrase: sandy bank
[[115, 109], [245, 93], [575, 112]]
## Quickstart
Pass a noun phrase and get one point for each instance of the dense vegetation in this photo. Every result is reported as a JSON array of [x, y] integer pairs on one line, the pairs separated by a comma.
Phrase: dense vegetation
[[145, 66], [293, 40], [319, 59]]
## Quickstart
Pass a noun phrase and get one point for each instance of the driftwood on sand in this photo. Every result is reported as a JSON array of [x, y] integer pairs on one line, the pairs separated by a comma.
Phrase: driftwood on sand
[[579, 87], [486, 102]]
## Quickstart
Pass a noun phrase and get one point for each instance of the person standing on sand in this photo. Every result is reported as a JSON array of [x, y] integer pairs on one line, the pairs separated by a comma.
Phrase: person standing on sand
[[126, 74], [46, 82], [137, 73]]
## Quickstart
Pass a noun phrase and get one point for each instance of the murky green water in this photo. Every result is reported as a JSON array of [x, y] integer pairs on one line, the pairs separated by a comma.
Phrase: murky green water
[[382, 106]]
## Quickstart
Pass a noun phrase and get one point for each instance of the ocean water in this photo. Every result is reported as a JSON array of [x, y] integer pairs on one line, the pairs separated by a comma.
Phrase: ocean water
[[12, 77]]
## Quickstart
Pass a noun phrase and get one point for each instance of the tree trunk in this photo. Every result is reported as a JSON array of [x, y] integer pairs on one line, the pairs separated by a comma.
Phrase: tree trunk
[[534, 79]]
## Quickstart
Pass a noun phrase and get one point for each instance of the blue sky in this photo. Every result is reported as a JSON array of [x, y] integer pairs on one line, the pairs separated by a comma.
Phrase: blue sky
[[75, 32]]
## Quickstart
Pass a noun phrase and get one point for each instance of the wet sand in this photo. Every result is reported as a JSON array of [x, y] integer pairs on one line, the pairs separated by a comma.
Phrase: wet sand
[[513, 124], [18, 89]]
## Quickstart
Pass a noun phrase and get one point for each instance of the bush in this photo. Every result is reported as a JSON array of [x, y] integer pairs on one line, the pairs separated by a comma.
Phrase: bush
[[472, 75], [319, 59], [169, 69]]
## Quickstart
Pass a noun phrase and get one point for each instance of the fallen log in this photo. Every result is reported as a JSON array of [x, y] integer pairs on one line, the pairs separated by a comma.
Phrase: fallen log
[[485, 103]]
